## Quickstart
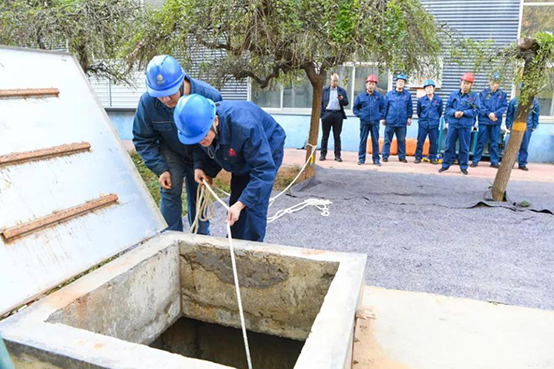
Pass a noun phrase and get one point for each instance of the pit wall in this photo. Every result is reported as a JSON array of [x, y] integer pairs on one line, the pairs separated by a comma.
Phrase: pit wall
[[135, 306], [281, 295]]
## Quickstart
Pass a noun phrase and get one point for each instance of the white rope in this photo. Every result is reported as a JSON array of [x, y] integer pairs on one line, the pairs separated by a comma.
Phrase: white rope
[[205, 208], [205, 212], [321, 204], [235, 275], [310, 159]]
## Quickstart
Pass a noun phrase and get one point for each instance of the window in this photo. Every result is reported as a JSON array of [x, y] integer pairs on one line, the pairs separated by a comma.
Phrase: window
[[361, 75], [538, 15], [270, 97], [546, 101], [298, 97]]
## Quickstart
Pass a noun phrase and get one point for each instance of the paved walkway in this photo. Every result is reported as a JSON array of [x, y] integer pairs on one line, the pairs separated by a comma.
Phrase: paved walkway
[[537, 172]]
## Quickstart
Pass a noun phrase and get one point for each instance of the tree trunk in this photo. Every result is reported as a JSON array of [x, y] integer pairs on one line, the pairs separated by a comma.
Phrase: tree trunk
[[527, 48], [317, 80], [508, 160]]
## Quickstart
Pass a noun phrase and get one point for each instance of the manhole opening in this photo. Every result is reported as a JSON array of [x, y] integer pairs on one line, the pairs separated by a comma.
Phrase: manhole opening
[[224, 345]]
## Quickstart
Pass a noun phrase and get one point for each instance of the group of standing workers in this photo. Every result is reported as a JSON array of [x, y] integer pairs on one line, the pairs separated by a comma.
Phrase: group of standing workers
[[463, 110], [183, 130]]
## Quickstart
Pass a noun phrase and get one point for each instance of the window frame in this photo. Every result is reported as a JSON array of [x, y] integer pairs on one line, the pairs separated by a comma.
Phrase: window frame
[[308, 111], [549, 119]]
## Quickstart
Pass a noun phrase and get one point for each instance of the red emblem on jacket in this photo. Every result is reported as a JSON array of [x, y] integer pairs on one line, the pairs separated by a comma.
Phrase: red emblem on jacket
[[232, 152]]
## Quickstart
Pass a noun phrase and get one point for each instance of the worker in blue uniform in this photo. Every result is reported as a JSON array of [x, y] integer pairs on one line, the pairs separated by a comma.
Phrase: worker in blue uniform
[[460, 115], [370, 108], [429, 112], [532, 124], [156, 140], [493, 103], [241, 138], [398, 115]]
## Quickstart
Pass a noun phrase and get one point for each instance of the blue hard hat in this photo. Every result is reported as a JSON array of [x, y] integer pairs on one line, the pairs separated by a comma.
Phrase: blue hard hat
[[402, 76], [428, 82], [164, 76], [194, 116], [496, 77]]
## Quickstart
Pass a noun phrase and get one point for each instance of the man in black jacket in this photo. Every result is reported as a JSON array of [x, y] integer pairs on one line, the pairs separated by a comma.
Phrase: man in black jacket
[[332, 114]]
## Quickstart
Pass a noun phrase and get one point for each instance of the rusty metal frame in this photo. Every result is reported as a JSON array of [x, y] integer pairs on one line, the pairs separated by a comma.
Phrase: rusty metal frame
[[21, 157], [29, 92], [58, 217]]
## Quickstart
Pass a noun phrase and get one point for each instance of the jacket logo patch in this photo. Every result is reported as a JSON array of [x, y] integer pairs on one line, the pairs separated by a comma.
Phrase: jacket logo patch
[[232, 153]]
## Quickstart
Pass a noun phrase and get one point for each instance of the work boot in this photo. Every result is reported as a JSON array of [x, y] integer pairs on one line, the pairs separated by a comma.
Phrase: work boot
[[417, 161], [474, 165], [443, 169], [338, 159], [464, 171], [524, 167], [434, 161], [360, 162], [385, 159], [495, 165], [403, 160], [377, 163], [322, 158]]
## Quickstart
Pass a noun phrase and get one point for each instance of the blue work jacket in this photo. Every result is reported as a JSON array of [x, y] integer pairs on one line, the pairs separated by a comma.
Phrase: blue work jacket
[[532, 121], [369, 108], [492, 102], [325, 100], [398, 108], [429, 112], [466, 103], [249, 141], [153, 127]]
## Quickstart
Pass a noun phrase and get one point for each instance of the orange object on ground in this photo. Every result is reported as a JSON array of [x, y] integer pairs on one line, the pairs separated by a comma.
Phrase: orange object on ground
[[411, 145]]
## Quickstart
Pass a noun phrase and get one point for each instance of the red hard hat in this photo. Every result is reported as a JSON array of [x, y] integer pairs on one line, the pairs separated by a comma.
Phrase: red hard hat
[[372, 78], [468, 77]]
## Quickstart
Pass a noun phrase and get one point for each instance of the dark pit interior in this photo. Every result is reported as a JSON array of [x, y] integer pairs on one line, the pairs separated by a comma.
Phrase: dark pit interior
[[224, 345]]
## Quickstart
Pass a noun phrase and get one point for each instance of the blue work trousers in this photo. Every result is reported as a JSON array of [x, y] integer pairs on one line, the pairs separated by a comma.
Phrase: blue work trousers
[[486, 133], [422, 134], [400, 141], [171, 204], [524, 149], [252, 222], [456, 133], [365, 129]]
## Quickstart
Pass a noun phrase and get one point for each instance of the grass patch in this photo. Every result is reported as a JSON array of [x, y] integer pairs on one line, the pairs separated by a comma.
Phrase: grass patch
[[223, 181]]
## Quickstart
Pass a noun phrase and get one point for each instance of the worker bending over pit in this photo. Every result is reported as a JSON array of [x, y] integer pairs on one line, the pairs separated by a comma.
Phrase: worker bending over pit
[[155, 137], [241, 138]]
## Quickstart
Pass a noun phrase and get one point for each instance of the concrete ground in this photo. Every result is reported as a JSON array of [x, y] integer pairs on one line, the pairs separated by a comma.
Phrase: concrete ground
[[407, 330]]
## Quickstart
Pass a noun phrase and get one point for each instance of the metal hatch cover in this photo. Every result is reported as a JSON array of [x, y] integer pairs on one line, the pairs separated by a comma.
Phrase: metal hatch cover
[[70, 196]]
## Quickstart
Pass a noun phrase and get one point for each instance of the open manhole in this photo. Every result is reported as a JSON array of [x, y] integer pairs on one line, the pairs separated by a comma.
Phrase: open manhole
[[73, 200]]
